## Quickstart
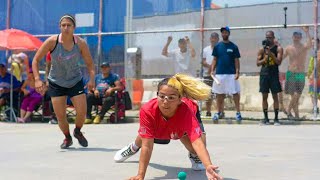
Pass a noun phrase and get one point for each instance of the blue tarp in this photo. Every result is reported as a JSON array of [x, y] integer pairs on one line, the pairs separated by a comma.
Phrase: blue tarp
[[42, 17]]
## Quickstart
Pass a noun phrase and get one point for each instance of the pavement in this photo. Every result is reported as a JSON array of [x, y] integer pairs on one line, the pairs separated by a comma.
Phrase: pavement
[[242, 152], [249, 117]]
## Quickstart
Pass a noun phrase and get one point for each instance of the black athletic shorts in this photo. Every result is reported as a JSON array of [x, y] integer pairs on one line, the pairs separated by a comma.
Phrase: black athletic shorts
[[55, 90], [270, 82], [167, 141]]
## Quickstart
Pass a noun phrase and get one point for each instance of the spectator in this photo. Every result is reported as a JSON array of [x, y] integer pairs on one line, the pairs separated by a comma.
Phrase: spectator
[[226, 66], [269, 58], [106, 84], [30, 100], [16, 66], [295, 75], [311, 77], [206, 64], [53, 119], [5, 82], [24, 65], [182, 55]]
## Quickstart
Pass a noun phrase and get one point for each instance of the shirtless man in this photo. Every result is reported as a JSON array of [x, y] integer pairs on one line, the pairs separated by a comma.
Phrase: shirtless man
[[295, 76]]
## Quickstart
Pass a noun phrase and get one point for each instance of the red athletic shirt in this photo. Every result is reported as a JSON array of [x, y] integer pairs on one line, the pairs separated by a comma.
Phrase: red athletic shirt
[[154, 125]]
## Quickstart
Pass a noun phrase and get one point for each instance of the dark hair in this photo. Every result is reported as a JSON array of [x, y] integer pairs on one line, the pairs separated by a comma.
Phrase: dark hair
[[163, 82], [182, 40], [69, 17], [214, 34], [271, 32]]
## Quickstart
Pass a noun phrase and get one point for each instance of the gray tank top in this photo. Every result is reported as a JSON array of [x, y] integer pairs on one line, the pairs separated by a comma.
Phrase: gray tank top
[[65, 70]]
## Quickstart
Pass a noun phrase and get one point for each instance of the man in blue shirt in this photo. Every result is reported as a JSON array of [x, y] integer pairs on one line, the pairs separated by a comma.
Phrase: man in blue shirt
[[226, 66], [5, 81], [106, 84]]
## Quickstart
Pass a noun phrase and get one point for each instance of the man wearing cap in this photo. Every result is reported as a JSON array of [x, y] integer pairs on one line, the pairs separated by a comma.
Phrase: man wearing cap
[[206, 64], [106, 84], [5, 82], [295, 75], [226, 66]]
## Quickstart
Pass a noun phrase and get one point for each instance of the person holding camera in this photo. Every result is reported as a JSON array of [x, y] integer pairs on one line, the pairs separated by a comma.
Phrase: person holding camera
[[269, 58]]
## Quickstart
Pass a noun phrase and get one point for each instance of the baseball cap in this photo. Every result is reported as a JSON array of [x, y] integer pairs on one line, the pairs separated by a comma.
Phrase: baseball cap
[[297, 33], [105, 64], [2, 65], [226, 28]]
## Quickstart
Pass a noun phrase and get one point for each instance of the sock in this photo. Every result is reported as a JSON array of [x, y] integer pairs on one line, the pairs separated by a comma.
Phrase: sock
[[67, 134], [134, 146], [276, 112], [77, 129], [265, 112]]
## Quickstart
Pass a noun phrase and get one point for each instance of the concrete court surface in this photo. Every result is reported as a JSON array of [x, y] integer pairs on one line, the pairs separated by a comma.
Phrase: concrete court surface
[[246, 152]]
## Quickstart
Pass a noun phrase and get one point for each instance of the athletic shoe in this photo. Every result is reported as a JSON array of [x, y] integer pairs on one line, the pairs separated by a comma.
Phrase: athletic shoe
[[276, 123], [238, 117], [196, 162], [265, 122], [81, 139], [216, 116], [67, 142], [88, 121], [124, 153], [97, 120], [53, 121], [20, 120]]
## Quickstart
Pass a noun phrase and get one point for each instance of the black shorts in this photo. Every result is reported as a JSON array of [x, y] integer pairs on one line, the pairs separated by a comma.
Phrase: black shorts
[[55, 90], [208, 81], [270, 83], [167, 141]]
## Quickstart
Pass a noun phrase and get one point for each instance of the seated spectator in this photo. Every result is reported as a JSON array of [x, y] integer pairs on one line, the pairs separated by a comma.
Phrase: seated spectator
[[16, 66], [106, 84], [5, 81], [30, 100]]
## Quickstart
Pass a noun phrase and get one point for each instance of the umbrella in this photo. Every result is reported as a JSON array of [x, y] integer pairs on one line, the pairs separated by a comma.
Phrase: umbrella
[[15, 39]]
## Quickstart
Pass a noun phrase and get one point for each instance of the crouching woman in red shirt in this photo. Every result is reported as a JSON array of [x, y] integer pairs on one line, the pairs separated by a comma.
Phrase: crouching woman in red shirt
[[171, 116]]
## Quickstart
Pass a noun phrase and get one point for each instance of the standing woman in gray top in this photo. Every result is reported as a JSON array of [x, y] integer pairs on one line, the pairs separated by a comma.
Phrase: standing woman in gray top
[[65, 78]]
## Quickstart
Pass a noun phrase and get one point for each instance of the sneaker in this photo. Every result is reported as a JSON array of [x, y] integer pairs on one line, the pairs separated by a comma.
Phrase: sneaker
[[124, 153], [238, 116], [20, 120], [216, 116], [276, 123], [67, 142], [97, 120], [265, 122], [196, 162], [88, 121], [53, 121], [81, 139], [208, 114]]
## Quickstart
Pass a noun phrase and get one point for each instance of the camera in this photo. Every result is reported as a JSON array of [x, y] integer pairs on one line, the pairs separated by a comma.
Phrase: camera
[[266, 43]]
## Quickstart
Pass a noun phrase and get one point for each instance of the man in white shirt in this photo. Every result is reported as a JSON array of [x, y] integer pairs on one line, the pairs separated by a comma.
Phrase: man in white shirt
[[206, 64], [181, 55]]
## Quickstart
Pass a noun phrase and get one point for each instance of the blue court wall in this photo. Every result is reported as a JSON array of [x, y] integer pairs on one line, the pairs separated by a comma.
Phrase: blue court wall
[[42, 17]]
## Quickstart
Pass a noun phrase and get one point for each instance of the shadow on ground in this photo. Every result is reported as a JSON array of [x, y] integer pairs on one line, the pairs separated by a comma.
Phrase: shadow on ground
[[90, 149], [172, 172]]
